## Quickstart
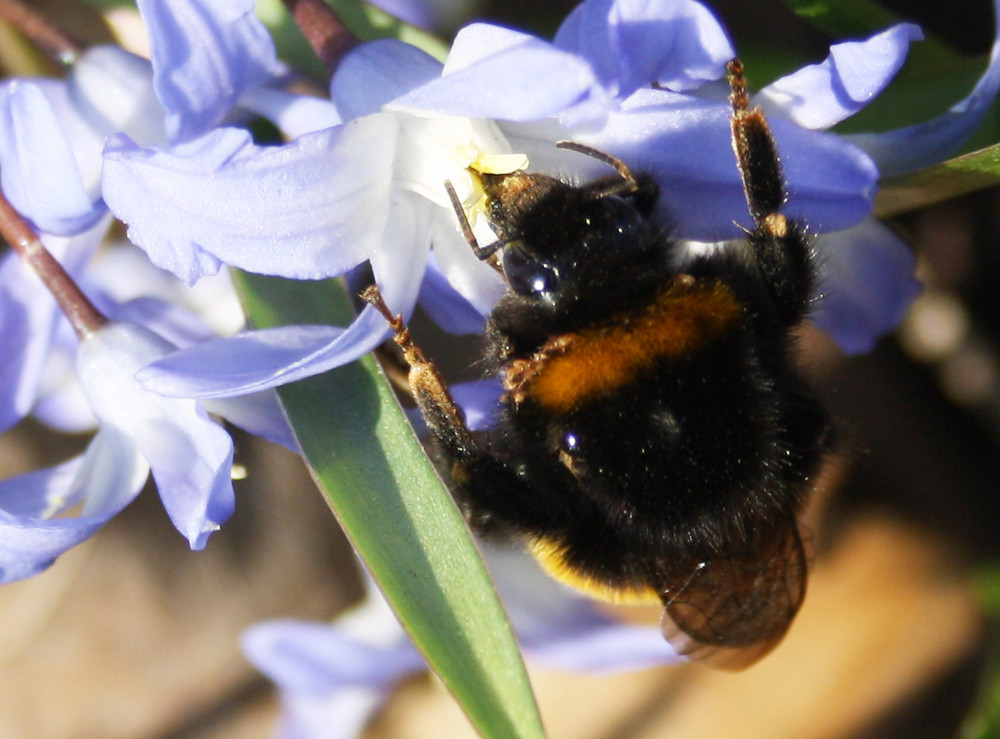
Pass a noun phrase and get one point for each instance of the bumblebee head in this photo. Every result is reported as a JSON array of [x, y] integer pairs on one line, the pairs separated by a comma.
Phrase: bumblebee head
[[560, 241]]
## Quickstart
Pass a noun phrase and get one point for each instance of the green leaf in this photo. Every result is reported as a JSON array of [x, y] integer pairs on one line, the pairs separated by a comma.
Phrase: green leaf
[[934, 78], [365, 21], [958, 176], [369, 23], [857, 19], [916, 98], [843, 18], [400, 518], [983, 720]]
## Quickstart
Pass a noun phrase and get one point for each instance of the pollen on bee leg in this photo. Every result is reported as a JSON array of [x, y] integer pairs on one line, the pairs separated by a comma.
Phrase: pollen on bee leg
[[775, 224]]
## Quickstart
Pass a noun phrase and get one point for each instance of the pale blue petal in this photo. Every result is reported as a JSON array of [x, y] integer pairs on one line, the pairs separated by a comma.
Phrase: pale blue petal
[[906, 149], [38, 168], [189, 455], [61, 404], [526, 80], [191, 458], [331, 683], [399, 271], [480, 402], [866, 282], [315, 657], [263, 359], [112, 474], [113, 91], [258, 413], [78, 128], [206, 55], [831, 184], [687, 148], [421, 13], [341, 714], [604, 647], [478, 42], [43, 492], [373, 74], [446, 307], [821, 95], [28, 324], [29, 547], [537, 140], [295, 115], [29, 320], [257, 360], [106, 478], [174, 323], [183, 315], [634, 43], [472, 278], [310, 209]]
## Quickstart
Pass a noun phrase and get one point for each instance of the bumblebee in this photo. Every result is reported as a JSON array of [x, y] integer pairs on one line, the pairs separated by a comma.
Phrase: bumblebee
[[657, 441]]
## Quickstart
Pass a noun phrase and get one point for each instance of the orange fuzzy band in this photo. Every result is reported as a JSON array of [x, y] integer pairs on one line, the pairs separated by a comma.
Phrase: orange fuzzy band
[[598, 361]]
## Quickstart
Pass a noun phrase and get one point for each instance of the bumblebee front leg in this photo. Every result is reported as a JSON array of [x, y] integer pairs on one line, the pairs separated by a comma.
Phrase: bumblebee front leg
[[493, 489], [781, 246], [443, 416]]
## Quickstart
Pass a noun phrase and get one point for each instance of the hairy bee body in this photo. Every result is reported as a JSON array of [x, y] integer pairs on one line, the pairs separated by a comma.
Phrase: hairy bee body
[[657, 441]]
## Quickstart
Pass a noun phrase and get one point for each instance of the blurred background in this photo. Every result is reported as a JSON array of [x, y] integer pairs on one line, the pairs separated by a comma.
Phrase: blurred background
[[133, 635]]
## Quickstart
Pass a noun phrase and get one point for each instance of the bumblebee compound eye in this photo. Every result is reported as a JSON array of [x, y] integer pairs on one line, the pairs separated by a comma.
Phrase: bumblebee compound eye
[[527, 275], [615, 223]]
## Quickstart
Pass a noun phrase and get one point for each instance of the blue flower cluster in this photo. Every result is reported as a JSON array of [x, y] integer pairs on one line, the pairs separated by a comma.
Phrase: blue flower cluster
[[161, 146]]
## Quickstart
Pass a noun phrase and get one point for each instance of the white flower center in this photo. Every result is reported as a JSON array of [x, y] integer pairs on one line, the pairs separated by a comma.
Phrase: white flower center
[[437, 149]]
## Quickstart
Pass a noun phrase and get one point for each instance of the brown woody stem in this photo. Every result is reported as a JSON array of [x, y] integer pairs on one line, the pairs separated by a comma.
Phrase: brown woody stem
[[40, 29], [82, 314], [323, 29]]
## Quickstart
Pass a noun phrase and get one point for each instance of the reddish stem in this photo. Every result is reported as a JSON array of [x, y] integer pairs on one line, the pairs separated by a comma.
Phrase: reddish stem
[[39, 29], [82, 314], [323, 29]]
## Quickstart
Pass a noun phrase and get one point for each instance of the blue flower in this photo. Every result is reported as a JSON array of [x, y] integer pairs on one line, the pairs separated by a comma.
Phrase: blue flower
[[333, 678], [30, 321], [190, 457], [205, 56], [51, 138], [370, 189], [52, 132], [138, 431]]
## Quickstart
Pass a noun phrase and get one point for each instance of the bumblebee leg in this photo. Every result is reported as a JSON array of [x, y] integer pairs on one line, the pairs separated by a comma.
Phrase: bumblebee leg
[[780, 245], [493, 489], [443, 416]]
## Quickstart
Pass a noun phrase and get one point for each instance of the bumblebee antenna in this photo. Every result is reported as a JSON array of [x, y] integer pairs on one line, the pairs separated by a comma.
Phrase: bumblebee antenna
[[482, 252], [627, 183]]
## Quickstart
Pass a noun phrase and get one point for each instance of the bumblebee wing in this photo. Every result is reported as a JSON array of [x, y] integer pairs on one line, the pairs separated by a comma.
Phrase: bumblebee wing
[[733, 610]]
